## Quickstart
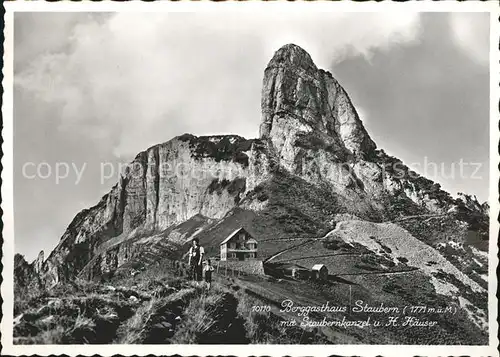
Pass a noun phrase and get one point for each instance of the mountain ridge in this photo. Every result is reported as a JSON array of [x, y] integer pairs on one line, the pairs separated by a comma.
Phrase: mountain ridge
[[310, 134]]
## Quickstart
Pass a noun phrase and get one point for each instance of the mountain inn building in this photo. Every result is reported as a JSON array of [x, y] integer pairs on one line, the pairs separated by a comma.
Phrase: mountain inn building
[[239, 245]]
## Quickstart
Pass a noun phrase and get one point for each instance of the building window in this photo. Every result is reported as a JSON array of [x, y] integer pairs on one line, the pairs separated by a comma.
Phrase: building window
[[232, 245]]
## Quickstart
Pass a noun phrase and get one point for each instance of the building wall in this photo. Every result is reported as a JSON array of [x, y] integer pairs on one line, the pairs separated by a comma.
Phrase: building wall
[[230, 255], [320, 274], [223, 252], [301, 274]]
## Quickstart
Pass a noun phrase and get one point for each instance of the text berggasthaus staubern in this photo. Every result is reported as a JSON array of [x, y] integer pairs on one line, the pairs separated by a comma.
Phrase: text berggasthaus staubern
[[361, 314]]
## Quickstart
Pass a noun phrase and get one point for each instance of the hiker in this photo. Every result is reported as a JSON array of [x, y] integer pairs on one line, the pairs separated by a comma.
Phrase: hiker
[[195, 257], [208, 269]]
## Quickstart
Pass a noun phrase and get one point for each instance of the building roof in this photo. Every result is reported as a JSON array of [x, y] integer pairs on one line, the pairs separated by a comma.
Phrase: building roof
[[318, 266], [232, 235], [251, 240]]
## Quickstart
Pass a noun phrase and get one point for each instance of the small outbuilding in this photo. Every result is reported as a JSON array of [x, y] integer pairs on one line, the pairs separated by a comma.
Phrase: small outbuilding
[[319, 272]]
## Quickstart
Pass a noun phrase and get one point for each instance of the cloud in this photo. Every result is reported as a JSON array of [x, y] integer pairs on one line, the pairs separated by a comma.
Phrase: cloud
[[471, 33], [140, 79]]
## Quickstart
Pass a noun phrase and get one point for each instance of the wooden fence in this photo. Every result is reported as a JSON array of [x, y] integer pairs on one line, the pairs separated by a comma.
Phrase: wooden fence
[[228, 269]]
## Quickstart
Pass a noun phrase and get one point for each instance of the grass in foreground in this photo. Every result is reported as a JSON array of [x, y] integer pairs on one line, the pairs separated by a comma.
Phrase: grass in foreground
[[153, 307]]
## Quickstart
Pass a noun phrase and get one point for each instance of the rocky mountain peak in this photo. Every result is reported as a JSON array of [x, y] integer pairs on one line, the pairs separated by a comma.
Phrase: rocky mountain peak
[[298, 100], [294, 56], [38, 263]]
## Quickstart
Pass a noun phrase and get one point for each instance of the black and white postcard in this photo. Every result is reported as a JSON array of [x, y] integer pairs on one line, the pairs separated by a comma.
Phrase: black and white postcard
[[194, 178]]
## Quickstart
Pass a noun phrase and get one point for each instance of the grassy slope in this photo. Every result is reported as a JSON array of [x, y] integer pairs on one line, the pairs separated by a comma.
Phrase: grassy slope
[[168, 309], [390, 249], [391, 290], [152, 307], [147, 249], [169, 243], [294, 212], [463, 247]]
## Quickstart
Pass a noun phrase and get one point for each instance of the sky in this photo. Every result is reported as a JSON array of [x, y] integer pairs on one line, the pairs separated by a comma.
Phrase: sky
[[91, 90]]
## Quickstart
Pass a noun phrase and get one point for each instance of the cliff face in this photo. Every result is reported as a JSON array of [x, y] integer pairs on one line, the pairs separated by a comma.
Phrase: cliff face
[[315, 133], [309, 129], [299, 99], [23, 271], [164, 186]]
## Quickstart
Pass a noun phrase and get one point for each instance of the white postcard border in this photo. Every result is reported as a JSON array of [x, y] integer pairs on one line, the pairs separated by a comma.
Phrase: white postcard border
[[250, 6]]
